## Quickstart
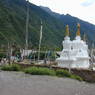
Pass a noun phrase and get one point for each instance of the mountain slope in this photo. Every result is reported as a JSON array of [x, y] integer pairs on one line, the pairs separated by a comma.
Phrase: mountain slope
[[12, 24], [87, 28], [13, 19]]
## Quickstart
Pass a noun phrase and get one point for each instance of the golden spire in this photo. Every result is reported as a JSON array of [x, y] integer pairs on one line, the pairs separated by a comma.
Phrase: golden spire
[[67, 30], [78, 31]]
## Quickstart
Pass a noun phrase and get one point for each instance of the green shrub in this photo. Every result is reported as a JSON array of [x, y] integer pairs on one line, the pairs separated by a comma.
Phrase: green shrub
[[76, 77], [12, 67], [2, 55], [39, 71], [63, 73]]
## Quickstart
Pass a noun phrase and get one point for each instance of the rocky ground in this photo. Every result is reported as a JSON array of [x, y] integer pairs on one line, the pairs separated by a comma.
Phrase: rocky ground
[[18, 83]]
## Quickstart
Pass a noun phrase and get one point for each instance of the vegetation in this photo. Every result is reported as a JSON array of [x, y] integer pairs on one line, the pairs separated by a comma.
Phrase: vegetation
[[72, 21], [39, 71], [46, 71], [48, 55], [65, 73], [11, 67], [35, 55], [76, 77], [2, 55], [13, 19]]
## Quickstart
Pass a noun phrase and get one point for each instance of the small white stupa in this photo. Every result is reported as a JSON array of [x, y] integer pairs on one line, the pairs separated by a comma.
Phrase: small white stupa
[[74, 53]]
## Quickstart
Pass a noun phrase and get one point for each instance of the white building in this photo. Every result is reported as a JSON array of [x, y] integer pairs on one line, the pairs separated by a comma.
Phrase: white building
[[74, 53], [25, 53]]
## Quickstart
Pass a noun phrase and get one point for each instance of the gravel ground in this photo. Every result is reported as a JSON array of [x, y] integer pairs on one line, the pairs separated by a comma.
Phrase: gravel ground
[[18, 83]]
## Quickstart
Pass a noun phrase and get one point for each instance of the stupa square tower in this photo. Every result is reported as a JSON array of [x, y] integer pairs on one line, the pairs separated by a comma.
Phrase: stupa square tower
[[74, 53]]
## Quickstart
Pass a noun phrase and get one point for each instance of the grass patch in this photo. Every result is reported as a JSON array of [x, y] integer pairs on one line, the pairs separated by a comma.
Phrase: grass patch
[[39, 71], [46, 71], [65, 73], [76, 77], [11, 67]]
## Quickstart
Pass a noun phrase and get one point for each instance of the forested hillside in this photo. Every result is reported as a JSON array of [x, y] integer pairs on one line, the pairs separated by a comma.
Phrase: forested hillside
[[13, 20]]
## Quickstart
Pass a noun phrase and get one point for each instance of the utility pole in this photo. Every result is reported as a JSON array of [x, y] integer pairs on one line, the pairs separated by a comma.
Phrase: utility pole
[[69, 61], [9, 53], [92, 56], [27, 25], [40, 41]]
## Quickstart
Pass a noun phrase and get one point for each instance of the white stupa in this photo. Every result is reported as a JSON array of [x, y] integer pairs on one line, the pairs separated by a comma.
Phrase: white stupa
[[74, 53]]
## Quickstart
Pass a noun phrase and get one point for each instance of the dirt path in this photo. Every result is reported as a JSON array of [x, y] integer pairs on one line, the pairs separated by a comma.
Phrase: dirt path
[[18, 83]]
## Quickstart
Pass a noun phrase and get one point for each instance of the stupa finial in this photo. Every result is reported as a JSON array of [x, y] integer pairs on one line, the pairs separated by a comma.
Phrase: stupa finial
[[67, 30], [78, 31]]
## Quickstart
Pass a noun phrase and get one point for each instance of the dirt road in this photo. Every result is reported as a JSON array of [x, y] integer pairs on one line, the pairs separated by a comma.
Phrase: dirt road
[[18, 83]]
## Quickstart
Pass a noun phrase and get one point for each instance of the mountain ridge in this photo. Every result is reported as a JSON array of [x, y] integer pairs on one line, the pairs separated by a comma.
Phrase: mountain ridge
[[47, 9], [72, 21], [13, 19]]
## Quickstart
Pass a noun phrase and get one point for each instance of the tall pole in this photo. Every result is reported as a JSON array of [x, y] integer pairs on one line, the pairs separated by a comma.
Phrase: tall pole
[[69, 61], [40, 41], [9, 53], [92, 56], [27, 26]]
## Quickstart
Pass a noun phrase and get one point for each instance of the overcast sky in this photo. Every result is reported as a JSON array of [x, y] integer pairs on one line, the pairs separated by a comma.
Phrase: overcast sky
[[83, 9]]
